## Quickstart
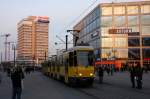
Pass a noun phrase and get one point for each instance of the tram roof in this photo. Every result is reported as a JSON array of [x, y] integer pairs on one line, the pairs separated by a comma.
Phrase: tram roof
[[81, 48]]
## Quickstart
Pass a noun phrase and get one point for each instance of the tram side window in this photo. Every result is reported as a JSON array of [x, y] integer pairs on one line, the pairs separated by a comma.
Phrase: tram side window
[[66, 62], [90, 58], [75, 58], [61, 60], [71, 59]]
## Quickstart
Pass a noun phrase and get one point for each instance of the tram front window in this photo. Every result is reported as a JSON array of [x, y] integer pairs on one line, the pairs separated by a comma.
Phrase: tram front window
[[84, 58]]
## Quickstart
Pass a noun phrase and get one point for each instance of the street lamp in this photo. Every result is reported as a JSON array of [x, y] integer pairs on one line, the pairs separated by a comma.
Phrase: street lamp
[[14, 48]]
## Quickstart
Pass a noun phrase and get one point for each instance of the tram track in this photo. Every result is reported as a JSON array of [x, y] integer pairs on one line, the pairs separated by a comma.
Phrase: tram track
[[140, 91], [87, 93], [97, 89]]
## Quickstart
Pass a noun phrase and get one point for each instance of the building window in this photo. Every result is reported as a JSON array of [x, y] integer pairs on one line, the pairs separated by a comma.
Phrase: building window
[[104, 31], [107, 42], [146, 41], [133, 42], [95, 43], [132, 9], [134, 54], [145, 30], [119, 10], [145, 9], [106, 10], [133, 20], [120, 21], [106, 21], [145, 19], [134, 28], [146, 53], [121, 53], [120, 42], [97, 22], [106, 53]]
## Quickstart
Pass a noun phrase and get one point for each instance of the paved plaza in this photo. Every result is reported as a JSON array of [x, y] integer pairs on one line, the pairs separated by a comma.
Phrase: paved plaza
[[38, 86]]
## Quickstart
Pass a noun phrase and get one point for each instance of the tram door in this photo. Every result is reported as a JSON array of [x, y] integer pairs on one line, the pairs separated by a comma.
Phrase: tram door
[[66, 65]]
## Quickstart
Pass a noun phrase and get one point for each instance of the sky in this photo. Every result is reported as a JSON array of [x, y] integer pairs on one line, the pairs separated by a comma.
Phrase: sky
[[62, 14]]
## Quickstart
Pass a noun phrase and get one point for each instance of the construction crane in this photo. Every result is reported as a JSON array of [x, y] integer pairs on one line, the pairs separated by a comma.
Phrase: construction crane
[[6, 36]]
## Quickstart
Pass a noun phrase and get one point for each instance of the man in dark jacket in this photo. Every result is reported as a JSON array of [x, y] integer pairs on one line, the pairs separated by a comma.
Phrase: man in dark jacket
[[132, 74], [139, 74], [100, 74], [16, 76]]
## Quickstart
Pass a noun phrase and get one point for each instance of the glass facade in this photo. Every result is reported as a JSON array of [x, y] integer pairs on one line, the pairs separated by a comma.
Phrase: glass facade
[[146, 41], [119, 10], [133, 41], [145, 8], [146, 53], [119, 21], [145, 20], [133, 20], [134, 53], [132, 9], [106, 10]]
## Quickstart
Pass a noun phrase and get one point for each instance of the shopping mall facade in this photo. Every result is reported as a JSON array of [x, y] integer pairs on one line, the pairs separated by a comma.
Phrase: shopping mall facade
[[119, 32]]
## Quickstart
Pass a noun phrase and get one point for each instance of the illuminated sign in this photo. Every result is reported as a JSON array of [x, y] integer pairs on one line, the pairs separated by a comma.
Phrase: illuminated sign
[[43, 19], [120, 31], [123, 31], [95, 34], [147, 59]]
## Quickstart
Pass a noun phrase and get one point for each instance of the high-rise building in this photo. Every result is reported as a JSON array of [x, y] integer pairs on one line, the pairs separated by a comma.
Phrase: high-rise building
[[119, 32], [33, 39]]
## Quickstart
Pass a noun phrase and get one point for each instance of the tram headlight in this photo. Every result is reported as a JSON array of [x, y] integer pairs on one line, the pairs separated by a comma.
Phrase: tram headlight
[[80, 74], [91, 74]]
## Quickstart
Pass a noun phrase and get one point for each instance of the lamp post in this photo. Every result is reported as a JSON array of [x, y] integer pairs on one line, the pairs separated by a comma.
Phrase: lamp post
[[66, 42], [14, 48]]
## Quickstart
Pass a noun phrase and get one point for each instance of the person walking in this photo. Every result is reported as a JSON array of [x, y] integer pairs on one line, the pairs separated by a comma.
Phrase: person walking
[[111, 70], [132, 74], [16, 76], [100, 74], [139, 74], [108, 69], [0, 74], [0, 77]]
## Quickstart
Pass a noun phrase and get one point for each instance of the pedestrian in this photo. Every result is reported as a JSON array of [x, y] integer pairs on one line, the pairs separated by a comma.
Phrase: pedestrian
[[8, 71], [111, 70], [0, 74], [108, 69], [100, 74], [16, 76], [139, 74], [132, 74], [0, 77]]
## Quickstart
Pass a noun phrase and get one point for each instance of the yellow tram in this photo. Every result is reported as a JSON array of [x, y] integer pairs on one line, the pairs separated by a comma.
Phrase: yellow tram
[[74, 66]]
